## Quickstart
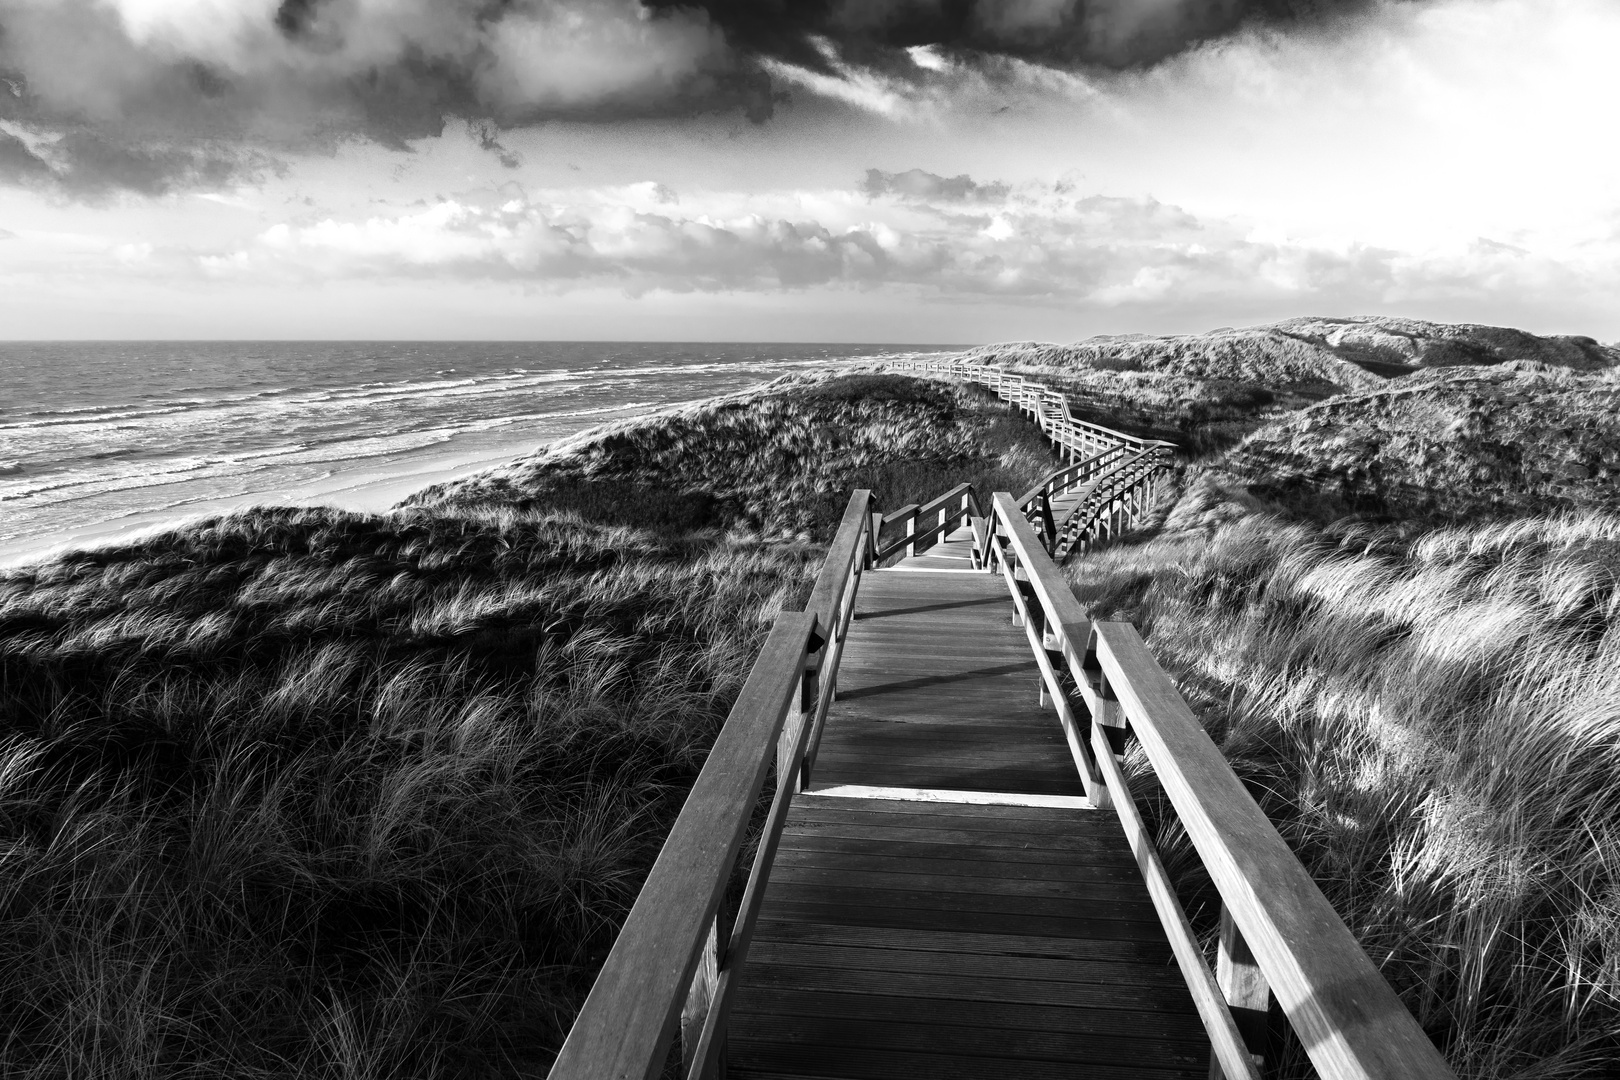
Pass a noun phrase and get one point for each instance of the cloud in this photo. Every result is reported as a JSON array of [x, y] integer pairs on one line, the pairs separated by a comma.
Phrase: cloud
[[918, 184], [159, 92], [89, 164], [919, 233]]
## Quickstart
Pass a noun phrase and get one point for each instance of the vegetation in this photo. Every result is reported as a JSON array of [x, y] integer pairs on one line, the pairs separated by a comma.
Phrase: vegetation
[[779, 461], [1456, 443], [307, 792], [1433, 721], [303, 792]]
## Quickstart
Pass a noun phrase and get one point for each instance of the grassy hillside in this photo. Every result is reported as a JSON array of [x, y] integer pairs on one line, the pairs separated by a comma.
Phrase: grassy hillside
[[302, 792], [1462, 441], [306, 792], [1433, 721], [778, 461]]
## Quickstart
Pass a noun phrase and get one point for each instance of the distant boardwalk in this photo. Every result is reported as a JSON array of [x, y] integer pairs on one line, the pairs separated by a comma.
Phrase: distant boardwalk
[[952, 880]]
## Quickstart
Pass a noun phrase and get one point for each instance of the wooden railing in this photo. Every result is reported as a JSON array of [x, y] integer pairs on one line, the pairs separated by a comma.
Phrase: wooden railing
[[930, 521], [1114, 473], [1279, 935], [674, 966], [668, 970]]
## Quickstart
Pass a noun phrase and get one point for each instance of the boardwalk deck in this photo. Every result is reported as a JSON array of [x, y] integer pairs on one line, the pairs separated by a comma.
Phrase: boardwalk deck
[[933, 893], [945, 938]]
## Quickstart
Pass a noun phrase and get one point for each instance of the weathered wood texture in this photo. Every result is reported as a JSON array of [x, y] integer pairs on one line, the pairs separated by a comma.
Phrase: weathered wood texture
[[959, 942], [938, 689]]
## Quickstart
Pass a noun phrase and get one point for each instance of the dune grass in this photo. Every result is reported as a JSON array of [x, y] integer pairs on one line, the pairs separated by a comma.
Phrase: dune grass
[[780, 461], [313, 793], [1432, 718]]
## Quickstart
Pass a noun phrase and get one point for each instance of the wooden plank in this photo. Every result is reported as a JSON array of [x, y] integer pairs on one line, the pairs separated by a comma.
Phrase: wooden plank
[[770, 1004], [853, 891], [1025, 782], [1151, 953], [945, 796], [630, 1017], [1347, 1017], [966, 966], [945, 883], [858, 912], [1012, 818], [1020, 1045], [787, 1060], [1076, 842], [1016, 819], [962, 849], [935, 987], [964, 868]]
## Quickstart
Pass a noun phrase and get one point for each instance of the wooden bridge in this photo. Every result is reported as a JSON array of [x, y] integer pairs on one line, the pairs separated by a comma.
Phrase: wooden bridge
[[952, 879]]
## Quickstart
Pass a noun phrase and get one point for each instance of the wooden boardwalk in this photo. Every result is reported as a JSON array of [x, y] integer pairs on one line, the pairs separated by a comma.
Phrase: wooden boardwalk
[[952, 879], [950, 932]]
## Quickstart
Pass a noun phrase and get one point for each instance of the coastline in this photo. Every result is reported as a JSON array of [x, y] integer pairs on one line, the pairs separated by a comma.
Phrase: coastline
[[369, 488]]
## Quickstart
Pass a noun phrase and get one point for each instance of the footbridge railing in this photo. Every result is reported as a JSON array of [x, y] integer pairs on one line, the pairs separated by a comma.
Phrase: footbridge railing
[[674, 965], [673, 971], [1109, 481], [1279, 936]]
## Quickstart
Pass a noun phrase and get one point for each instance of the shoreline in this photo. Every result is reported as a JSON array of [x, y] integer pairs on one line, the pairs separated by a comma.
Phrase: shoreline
[[372, 489]]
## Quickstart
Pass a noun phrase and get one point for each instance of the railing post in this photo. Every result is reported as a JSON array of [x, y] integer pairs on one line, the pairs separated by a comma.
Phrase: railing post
[[1248, 996], [911, 531], [809, 699], [700, 997]]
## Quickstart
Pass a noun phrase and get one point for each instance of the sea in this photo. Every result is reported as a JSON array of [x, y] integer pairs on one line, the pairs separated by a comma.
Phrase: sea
[[101, 441]]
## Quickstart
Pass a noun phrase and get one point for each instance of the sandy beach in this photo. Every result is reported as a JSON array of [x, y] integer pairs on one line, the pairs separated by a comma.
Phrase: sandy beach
[[371, 488]]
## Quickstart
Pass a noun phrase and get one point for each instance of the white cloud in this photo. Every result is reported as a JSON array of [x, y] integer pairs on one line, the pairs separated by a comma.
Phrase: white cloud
[[1040, 244]]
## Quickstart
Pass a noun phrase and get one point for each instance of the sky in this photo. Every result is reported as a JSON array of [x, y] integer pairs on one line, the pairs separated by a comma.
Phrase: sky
[[918, 171]]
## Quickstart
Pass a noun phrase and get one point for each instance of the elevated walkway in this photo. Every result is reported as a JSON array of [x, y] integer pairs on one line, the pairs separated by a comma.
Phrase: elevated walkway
[[952, 879], [937, 689], [923, 934]]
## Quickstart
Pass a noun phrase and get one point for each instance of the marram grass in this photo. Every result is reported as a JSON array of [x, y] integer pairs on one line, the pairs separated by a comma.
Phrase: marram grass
[[1434, 725]]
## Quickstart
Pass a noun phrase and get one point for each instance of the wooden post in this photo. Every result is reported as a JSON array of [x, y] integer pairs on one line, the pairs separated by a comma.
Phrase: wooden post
[[809, 697], [872, 540], [701, 995], [1247, 995], [911, 531]]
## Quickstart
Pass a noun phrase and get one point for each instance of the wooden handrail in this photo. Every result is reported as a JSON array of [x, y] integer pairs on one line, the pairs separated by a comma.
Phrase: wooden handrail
[[668, 955], [630, 1018], [1352, 1025], [1120, 459], [947, 519], [932, 505], [832, 602], [1128, 469], [842, 558], [1058, 478]]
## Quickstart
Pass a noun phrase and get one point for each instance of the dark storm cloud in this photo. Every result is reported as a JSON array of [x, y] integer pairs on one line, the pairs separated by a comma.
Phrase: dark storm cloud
[[1114, 34], [100, 95]]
